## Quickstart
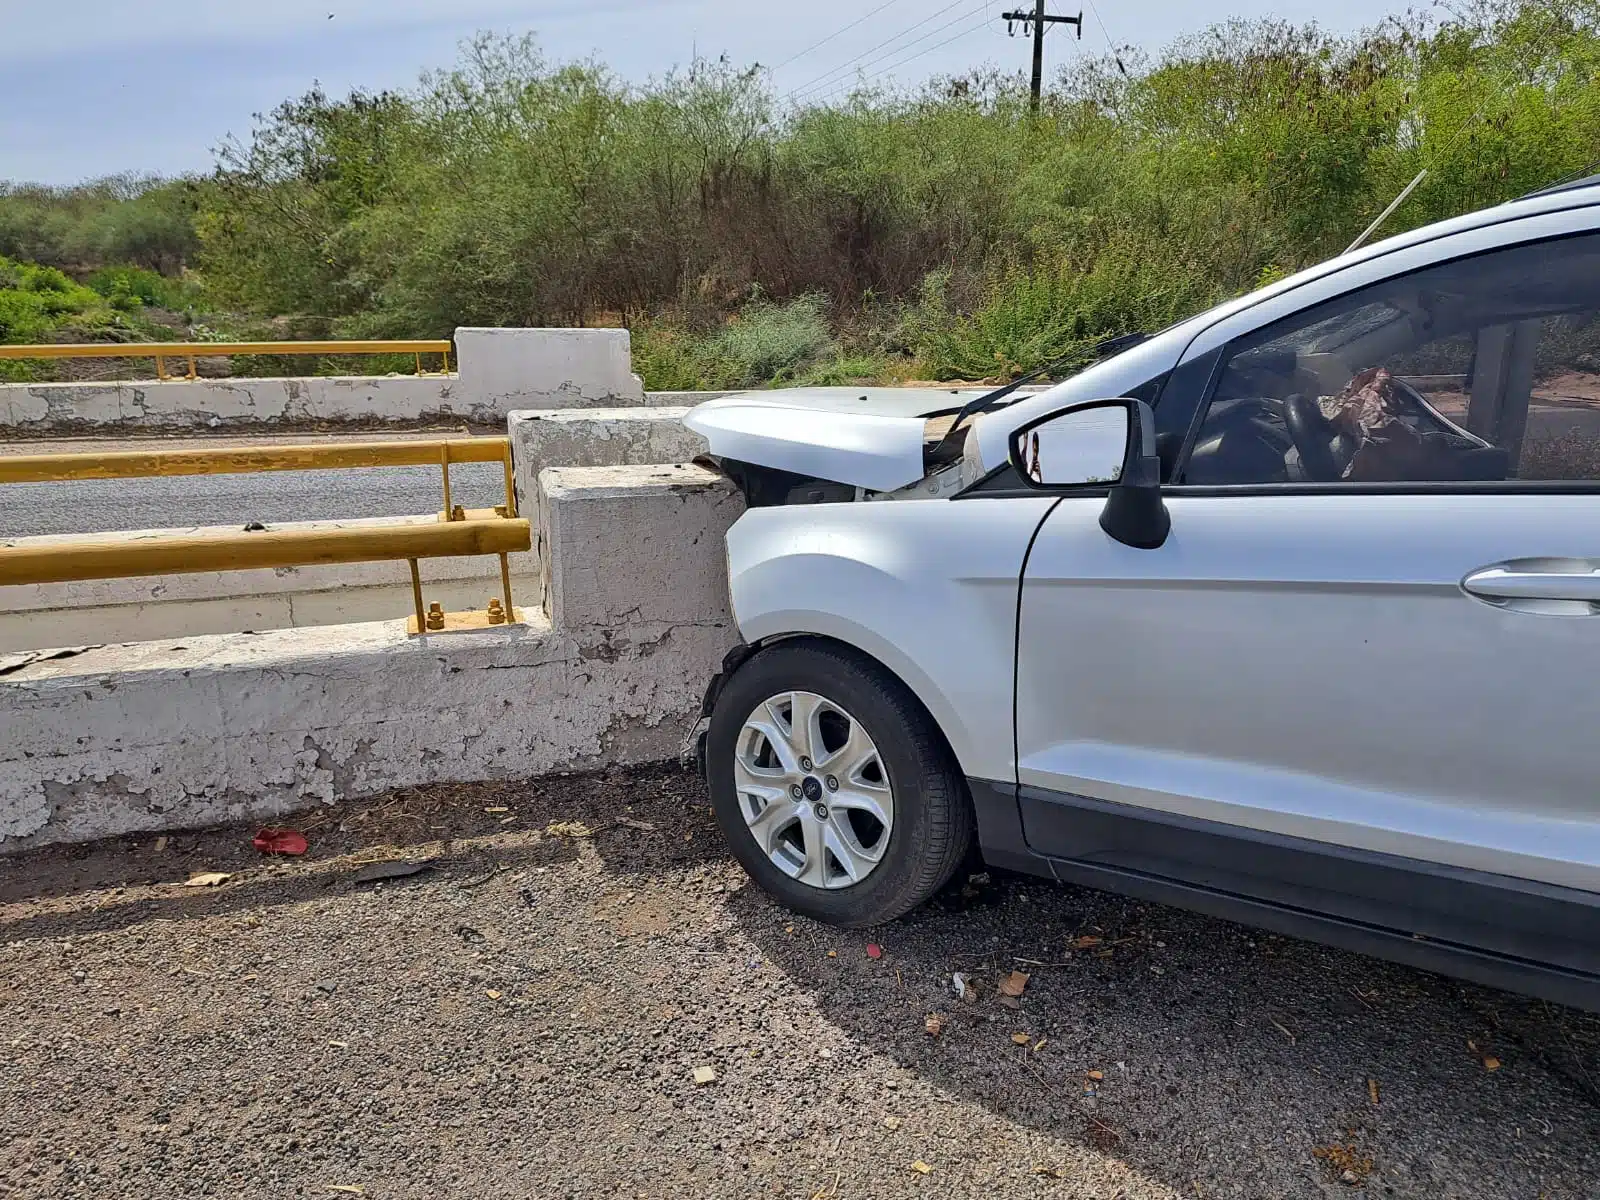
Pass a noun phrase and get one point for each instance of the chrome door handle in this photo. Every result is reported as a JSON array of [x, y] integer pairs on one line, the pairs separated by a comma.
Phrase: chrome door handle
[[1540, 579]]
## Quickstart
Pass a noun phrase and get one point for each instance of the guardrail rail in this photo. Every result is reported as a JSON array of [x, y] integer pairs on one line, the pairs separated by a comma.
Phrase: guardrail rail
[[456, 532], [190, 351]]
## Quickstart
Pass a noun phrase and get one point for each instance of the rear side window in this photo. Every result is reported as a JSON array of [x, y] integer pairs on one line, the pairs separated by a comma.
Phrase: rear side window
[[1481, 369]]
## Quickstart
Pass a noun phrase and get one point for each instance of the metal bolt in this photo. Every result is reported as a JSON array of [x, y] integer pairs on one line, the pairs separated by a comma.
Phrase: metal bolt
[[497, 615], [794, 790], [435, 617], [833, 783], [805, 764]]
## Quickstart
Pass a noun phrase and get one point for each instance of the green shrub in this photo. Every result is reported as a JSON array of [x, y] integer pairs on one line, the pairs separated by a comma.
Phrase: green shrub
[[129, 287], [767, 342]]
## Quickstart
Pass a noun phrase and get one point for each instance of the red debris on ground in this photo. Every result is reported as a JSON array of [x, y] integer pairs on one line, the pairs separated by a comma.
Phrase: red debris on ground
[[280, 841]]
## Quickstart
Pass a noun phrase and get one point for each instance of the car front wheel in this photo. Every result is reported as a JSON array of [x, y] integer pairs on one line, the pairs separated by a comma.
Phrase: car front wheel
[[833, 786]]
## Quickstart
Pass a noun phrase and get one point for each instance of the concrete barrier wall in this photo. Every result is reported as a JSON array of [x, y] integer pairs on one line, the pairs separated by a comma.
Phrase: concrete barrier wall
[[499, 369], [171, 734], [593, 438]]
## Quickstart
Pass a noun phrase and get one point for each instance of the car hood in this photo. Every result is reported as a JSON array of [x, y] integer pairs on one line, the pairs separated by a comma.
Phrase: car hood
[[864, 437]]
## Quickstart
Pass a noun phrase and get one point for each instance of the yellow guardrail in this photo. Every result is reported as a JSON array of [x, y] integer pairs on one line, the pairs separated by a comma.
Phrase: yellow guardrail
[[458, 532], [189, 351]]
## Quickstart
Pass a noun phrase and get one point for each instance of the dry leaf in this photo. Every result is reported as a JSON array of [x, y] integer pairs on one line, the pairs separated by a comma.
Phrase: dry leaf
[[207, 879], [1084, 942], [1096, 1075], [1345, 1161], [934, 1024], [631, 823], [921, 1168], [891, 1122], [349, 1189], [704, 1075], [1372, 1090], [1491, 1063], [340, 1045], [499, 808], [1014, 983], [572, 829], [161, 843], [833, 954], [1040, 1044], [1020, 1039], [492, 993]]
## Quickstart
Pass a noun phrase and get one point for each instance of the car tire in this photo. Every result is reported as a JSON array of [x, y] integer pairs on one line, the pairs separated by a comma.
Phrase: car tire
[[932, 819]]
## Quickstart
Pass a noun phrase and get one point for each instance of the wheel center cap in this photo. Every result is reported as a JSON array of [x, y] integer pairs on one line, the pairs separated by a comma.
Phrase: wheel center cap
[[812, 787]]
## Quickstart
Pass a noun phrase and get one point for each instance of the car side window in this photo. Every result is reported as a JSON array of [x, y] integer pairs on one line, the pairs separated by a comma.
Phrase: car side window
[[1484, 368]]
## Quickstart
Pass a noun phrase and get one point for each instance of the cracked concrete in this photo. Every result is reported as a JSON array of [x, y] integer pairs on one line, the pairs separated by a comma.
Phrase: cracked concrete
[[172, 734]]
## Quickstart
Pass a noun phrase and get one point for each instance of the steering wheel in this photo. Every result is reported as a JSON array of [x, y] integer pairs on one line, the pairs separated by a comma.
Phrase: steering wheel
[[1313, 435]]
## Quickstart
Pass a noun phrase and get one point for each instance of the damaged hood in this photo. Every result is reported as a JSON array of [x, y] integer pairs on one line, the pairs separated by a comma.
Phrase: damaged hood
[[865, 437]]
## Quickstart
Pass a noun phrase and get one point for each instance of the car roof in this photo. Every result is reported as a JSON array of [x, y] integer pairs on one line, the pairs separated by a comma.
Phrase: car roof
[[1580, 194], [1569, 185]]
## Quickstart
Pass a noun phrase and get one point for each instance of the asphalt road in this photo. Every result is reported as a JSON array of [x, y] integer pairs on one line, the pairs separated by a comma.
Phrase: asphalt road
[[90, 506], [527, 1015]]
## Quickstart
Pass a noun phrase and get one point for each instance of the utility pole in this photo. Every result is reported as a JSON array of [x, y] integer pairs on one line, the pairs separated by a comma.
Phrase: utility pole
[[1038, 20]]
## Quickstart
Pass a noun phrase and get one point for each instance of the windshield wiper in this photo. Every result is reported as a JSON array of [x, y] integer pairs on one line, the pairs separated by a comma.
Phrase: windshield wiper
[[982, 404]]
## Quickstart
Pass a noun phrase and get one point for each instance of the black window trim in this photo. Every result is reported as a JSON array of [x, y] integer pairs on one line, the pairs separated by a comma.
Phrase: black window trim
[[1427, 487]]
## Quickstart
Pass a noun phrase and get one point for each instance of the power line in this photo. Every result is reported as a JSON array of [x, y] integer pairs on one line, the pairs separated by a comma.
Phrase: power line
[[833, 78], [834, 34], [937, 45], [1110, 45], [913, 57], [905, 46], [828, 76]]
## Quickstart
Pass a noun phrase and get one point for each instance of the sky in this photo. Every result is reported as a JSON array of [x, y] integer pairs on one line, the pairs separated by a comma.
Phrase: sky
[[98, 87]]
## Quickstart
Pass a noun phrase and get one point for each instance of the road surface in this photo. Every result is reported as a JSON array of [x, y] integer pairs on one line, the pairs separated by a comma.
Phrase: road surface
[[526, 1017], [94, 505]]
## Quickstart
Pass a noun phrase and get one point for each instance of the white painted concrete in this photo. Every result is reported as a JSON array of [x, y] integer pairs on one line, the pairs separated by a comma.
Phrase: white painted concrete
[[499, 369], [170, 734], [231, 403], [629, 544], [548, 368], [598, 437]]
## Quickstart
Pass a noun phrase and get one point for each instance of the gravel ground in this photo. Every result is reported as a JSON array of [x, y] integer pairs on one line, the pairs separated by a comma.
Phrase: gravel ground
[[525, 1017]]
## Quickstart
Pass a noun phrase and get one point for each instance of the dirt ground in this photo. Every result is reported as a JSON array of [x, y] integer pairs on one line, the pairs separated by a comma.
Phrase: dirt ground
[[525, 1017]]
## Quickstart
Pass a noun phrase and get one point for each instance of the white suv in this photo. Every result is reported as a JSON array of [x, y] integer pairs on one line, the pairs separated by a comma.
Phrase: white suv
[[1289, 613]]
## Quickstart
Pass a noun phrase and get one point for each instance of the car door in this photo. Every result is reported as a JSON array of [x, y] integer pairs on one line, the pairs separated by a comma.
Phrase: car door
[[1321, 690]]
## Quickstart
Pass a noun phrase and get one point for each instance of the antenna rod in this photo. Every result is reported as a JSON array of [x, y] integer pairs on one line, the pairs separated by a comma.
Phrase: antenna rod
[[1384, 215]]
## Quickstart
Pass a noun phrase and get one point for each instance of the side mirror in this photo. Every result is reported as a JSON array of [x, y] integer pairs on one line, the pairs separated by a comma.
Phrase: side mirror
[[1096, 444]]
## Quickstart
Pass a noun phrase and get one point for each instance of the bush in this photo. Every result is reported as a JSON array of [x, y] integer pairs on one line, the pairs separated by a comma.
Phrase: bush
[[128, 288]]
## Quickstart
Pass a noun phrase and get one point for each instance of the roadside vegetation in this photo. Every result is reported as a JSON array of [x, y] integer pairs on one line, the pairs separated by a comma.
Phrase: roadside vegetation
[[946, 233]]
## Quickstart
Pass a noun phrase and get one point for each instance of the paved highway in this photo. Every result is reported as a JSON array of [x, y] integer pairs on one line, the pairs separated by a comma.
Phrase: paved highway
[[90, 506]]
